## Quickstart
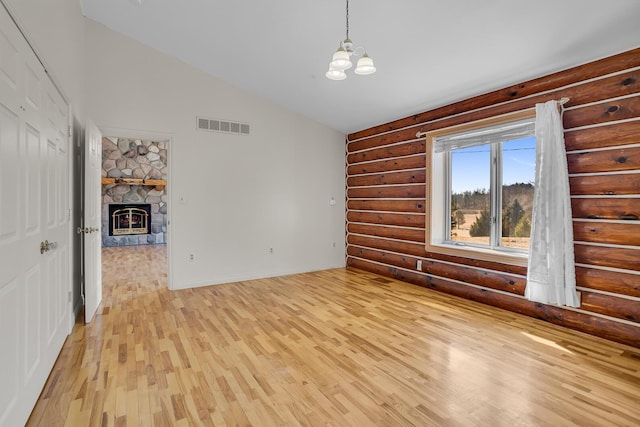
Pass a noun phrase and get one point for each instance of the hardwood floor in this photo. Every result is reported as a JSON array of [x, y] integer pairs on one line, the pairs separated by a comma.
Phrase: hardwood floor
[[339, 347]]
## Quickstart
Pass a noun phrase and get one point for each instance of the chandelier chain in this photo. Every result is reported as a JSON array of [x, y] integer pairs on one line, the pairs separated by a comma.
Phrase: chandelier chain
[[347, 19]]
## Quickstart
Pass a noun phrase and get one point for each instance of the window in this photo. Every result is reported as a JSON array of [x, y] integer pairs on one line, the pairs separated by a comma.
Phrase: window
[[481, 188]]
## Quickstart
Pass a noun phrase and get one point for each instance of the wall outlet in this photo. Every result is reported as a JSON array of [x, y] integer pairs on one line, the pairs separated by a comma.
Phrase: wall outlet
[[271, 251], [192, 257], [419, 265]]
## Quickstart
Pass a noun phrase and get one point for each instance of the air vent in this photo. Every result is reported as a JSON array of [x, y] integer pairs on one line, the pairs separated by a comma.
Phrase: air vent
[[225, 126]]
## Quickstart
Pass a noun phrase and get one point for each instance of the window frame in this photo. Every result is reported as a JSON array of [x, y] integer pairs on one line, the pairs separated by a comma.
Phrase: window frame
[[438, 193]]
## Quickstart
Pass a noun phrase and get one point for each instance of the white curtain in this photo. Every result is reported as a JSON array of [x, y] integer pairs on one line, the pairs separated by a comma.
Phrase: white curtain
[[551, 276]]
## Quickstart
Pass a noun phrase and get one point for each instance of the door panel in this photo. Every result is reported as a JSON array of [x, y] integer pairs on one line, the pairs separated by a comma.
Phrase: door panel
[[33, 306], [34, 183], [92, 221], [32, 178], [9, 185], [9, 356]]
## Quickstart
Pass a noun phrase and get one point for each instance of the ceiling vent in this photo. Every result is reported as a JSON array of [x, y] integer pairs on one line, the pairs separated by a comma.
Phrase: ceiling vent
[[224, 126]]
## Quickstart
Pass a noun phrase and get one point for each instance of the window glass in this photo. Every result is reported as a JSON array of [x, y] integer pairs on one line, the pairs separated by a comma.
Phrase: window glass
[[470, 197], [518, 176]]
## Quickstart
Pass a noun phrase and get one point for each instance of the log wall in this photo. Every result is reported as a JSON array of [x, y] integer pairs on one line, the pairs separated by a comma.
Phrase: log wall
[[386, 173]]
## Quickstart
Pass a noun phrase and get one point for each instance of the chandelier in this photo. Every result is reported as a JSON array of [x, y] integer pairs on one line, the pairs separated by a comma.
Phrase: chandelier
[[340, 62]]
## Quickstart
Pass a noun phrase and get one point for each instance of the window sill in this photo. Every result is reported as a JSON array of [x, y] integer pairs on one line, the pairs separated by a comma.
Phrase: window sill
[[520, 259]]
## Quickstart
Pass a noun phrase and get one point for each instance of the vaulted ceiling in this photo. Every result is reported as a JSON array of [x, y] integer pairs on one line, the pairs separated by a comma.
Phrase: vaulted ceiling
[[428, 53]]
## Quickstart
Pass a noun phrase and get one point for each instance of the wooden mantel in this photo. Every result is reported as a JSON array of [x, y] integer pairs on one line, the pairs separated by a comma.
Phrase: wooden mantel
[[158, 183]]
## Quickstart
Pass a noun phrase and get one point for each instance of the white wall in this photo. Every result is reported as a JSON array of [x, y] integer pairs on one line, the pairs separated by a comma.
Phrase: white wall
[[243, 194]]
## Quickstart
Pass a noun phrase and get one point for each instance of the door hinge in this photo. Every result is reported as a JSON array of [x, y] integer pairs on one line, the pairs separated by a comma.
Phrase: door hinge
[[69, 296], [70, 131]]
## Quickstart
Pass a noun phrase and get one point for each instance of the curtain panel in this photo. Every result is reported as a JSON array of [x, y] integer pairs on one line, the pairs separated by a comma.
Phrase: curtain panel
[[551, 275]]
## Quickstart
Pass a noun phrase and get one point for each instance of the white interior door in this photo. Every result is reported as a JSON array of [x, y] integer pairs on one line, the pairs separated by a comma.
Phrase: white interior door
[[92, 221], [34, 225]]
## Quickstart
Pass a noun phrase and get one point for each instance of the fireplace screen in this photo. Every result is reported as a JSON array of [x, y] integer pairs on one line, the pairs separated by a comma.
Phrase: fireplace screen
[[129, 219]]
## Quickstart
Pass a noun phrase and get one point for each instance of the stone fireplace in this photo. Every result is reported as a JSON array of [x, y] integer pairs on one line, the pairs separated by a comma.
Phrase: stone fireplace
[[134, 174]]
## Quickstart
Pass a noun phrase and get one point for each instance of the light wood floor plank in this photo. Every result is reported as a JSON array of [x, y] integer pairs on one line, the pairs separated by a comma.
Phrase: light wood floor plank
[[338, 347]]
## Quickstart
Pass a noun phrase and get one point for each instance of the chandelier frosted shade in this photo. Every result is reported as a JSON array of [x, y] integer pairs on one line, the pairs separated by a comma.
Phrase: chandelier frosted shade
[[334, 74], [365, 66], [340, 60]]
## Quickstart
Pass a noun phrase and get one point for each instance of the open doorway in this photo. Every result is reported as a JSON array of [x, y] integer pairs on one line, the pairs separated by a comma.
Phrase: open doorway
[[135, 216]]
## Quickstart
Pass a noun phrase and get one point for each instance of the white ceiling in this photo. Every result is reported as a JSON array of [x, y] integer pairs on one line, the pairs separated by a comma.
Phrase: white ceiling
[[428, 53]]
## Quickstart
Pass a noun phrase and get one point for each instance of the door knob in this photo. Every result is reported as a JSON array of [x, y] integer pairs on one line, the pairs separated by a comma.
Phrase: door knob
[[46, 246]]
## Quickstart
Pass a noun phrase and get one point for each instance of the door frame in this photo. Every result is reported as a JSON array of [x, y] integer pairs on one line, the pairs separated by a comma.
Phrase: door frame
[[116, 132]]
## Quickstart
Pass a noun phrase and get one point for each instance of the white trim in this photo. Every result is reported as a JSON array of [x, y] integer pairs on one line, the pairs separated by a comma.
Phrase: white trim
[[606, 245], [613, 147], [628, 171], [607, 221], [611, 269], [385, 198], [385, 225], [607, 196], [389, 212], [387, 185]]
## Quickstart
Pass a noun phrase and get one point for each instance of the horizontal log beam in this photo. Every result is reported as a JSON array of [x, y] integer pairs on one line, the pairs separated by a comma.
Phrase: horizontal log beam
[[607, 256], [618, 159], [388, 232], [402, 220], [414, 162], [603, 136], [609, 281], [400, 191], [607, 88], [388, 178], [606, 232], [414, 147], [608, 185], [611, 306], [606, 208], [620, 109], [387, 205]]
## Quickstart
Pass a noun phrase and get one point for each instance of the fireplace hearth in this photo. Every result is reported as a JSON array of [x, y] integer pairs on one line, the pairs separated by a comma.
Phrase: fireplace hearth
[[129, 219]]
